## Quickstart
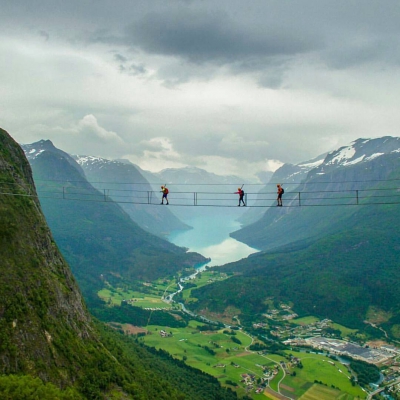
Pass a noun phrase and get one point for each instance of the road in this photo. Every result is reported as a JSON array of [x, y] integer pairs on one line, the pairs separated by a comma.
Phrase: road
[[370, 395]]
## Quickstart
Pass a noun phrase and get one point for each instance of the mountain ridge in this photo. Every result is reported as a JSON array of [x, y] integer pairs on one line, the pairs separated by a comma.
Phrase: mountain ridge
[[338, 179], [121, 182], [332, 262], [45, 328], [35, 305], [98, 238]]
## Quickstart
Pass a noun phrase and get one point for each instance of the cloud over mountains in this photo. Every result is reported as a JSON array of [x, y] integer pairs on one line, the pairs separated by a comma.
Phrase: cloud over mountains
[[262, 81]]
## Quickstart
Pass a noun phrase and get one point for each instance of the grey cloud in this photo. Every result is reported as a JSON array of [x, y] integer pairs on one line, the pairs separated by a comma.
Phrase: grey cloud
[[137, 69], [226, 145], [44, 34], [120, 58], [273, 79], [202, 37], [125, 65], [153, 146], [289, 142], [247, 36], [358, 54]]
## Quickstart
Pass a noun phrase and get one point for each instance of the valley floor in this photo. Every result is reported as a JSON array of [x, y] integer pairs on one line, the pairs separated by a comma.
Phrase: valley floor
[[228, 353]]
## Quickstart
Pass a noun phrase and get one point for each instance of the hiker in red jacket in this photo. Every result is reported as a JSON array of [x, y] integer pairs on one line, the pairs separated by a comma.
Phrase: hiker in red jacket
[[240, 192], [165, 192], [280, 193]]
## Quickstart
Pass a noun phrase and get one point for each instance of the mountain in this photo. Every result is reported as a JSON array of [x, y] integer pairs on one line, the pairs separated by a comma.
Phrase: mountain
[[346, 176], [339, 261], [349, 277], [123, 182], [288, 173], [50, 348], [196, 176], [96, 236], [42, 314]]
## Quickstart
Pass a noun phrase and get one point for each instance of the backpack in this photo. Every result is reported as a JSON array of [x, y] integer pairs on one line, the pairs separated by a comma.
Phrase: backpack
[[241, 192], [166, 191], [283, 190]]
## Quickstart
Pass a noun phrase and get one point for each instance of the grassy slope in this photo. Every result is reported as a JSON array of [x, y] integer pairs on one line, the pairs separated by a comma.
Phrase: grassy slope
[[339, 276], [189, 343]]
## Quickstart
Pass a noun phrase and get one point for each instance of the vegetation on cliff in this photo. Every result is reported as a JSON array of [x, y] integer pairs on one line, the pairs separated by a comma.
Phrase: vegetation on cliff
[[46, 331]]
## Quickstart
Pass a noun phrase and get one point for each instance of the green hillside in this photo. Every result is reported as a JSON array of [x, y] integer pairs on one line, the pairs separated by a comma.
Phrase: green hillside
[[49, 345], [318, 216], [339, 276], [42, 315], [97, 238]]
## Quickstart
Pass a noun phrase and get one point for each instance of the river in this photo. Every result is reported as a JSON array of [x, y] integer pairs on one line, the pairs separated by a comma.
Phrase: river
[[210, 237]]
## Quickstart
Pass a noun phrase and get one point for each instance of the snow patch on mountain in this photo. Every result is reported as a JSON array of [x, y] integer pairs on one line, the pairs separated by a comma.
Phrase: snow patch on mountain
[[355, 161], [85, 160], [375, 155], [33, 153], [311, 165], [343, 155]]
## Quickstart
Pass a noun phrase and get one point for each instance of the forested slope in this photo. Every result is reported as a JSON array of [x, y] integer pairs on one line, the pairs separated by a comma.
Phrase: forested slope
[[45, 329], [98, 239], [339, 276], [348, 175]]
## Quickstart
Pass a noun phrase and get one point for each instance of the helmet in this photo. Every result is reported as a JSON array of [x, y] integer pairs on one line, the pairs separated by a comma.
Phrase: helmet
[[239, 188]]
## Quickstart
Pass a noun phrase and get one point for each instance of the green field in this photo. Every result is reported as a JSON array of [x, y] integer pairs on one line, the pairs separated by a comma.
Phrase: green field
[[320, 368], [204, 278], [320, 392], [232, 360], [115, 297], [276, 380], [345, 331], [215, 353], [305, 320]]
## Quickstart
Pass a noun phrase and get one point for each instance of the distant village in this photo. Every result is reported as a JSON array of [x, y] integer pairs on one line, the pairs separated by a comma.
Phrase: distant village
[[315, 338]]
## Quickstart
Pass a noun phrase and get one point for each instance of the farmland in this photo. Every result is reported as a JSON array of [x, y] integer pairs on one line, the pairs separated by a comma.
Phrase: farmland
[[233, 364]]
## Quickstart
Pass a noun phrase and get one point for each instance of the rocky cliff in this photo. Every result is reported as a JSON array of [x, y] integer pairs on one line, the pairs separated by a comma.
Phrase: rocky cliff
[[44, 325]]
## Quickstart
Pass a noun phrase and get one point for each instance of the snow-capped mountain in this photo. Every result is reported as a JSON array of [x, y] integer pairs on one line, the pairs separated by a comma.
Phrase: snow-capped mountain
[[38, 149], [348, 176], [287, 174], [361, 151], [121, 182], [126, 185]]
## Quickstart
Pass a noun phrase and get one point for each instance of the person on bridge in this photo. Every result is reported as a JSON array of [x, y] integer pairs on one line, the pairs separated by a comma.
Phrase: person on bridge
[[165, 192], [280, 193], [240, 192]]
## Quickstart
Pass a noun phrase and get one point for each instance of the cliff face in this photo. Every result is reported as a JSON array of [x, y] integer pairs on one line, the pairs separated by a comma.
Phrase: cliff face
[[44, 325], [45, 329]]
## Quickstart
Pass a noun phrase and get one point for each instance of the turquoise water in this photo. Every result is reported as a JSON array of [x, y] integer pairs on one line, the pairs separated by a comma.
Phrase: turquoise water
[[210, 237]]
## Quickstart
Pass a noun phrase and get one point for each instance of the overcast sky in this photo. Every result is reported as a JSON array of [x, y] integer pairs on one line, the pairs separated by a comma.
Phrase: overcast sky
[[234, 87]]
